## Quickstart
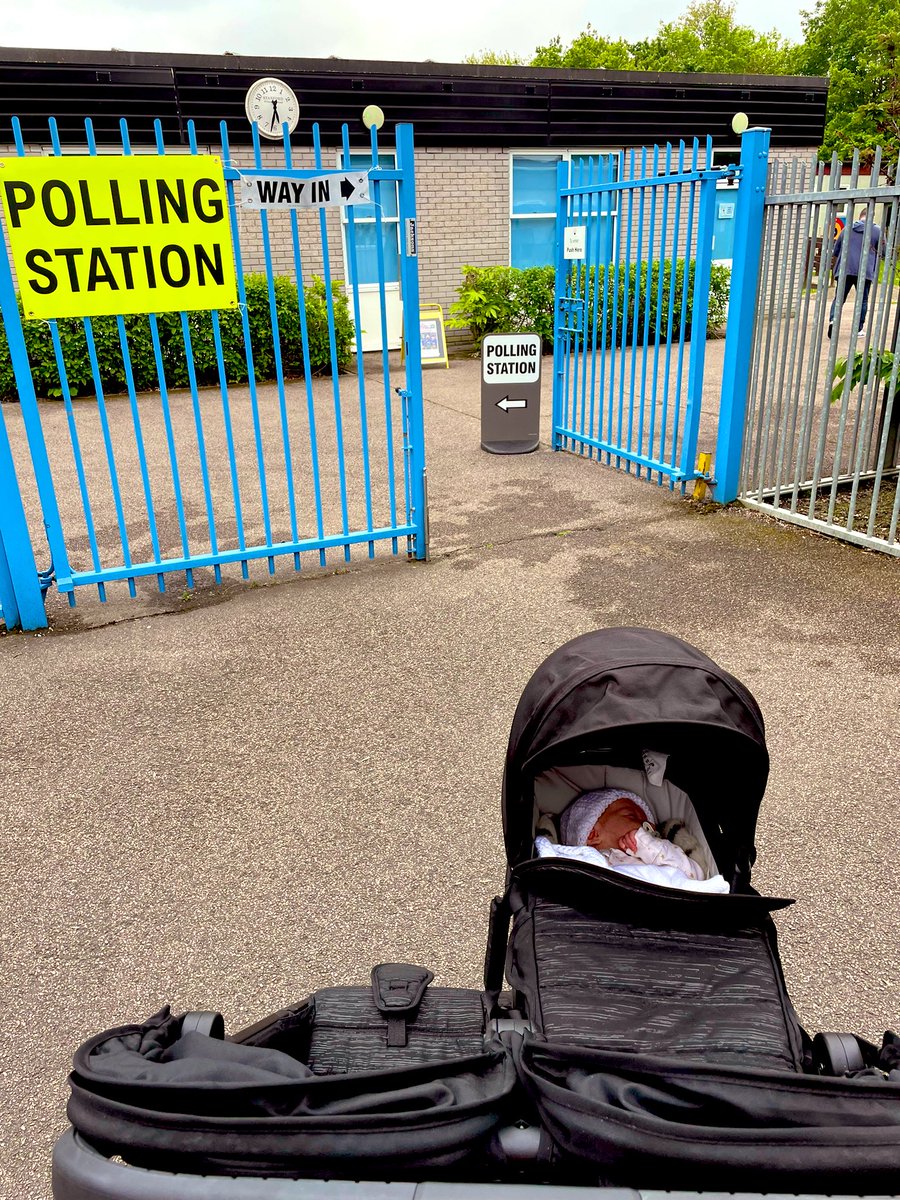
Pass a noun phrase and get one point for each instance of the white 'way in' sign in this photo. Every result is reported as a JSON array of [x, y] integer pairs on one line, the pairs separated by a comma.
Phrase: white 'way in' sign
[[320, 191]]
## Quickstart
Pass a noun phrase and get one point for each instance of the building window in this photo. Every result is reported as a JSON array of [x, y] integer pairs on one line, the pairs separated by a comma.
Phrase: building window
[[532, 235], [726, 207], [366, 231]]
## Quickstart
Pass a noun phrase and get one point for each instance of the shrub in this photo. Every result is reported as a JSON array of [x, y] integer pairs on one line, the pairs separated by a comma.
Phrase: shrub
[[878, 364], [110, 359], [508, 300], [719, 287], [505, 300]]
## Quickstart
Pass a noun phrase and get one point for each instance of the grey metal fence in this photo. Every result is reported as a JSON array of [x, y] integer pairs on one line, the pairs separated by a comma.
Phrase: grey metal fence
[[821, 439]]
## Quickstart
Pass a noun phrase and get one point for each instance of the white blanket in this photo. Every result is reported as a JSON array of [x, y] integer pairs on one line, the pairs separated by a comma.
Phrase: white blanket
[[664, 876]]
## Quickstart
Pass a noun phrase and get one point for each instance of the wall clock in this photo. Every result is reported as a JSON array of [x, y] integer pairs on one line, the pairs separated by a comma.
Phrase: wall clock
[[269, 103]]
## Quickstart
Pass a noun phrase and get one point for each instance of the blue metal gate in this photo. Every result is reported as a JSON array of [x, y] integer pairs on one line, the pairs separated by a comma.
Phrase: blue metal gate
[[181, 478], [634, 251]]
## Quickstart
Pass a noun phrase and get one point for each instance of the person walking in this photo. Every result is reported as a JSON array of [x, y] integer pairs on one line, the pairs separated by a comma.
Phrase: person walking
[[861, 263]]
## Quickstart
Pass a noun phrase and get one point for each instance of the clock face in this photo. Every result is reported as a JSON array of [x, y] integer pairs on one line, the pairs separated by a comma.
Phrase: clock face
[[269, 103]]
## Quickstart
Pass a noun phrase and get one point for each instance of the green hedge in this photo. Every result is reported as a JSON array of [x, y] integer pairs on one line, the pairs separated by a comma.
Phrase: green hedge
[[509, 300], [140, 345]]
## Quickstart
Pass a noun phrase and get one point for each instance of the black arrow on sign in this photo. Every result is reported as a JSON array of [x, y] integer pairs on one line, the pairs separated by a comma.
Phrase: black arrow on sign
[[347, 188], [506, 404]]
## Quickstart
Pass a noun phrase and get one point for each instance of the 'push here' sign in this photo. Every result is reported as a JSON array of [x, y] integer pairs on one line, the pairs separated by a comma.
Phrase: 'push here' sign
[[99, 235]]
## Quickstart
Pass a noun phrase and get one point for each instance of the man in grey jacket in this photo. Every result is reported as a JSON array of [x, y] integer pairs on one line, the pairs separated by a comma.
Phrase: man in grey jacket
[[861, 265]]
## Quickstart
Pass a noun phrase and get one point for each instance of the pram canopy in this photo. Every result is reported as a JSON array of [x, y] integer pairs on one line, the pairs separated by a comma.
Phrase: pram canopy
[[608, 697]]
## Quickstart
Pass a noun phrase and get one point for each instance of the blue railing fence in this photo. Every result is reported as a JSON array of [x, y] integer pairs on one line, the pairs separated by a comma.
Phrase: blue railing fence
[[627, 378], [632, 309], [171, 485], [21, 597]]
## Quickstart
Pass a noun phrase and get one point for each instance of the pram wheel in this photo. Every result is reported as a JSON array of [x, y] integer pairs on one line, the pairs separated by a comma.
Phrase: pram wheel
[[837, 1054], [211, 1024]]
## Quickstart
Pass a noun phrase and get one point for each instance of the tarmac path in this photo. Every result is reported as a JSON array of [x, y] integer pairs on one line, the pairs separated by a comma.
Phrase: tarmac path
[[272, 788]]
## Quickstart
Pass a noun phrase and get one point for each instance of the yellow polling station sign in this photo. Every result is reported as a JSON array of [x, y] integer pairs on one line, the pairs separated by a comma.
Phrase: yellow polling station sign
[[98, 235]]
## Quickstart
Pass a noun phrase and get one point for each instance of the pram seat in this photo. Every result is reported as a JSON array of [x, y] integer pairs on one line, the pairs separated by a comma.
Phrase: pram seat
[[677, 1124], [283, 1098]]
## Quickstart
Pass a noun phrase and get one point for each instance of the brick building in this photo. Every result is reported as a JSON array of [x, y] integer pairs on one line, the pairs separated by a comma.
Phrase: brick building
[[487, 138]]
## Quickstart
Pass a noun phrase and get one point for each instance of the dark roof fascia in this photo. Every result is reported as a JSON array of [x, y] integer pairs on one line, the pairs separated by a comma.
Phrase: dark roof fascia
[[349, 66]]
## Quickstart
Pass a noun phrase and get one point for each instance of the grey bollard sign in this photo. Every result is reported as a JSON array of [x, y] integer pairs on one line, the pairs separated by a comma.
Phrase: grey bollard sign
[[510, 392]]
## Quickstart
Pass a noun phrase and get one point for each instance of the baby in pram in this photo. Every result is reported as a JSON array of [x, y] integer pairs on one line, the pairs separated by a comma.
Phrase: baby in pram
[[616, 828]]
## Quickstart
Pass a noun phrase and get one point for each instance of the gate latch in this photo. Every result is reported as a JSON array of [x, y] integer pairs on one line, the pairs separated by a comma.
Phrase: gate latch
[[571, 309]]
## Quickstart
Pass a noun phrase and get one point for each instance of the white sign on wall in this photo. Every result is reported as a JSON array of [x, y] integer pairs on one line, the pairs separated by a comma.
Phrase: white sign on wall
[[573, 245]]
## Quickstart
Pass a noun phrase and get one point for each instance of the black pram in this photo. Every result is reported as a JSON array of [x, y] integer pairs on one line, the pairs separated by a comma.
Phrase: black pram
[[646, 1038]]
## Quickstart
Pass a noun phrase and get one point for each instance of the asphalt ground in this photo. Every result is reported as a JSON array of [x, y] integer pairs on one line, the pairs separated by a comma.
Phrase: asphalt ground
[[229, 800]]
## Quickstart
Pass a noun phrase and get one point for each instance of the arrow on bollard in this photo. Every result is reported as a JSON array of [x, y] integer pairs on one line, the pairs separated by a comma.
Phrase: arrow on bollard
[[506, 404]]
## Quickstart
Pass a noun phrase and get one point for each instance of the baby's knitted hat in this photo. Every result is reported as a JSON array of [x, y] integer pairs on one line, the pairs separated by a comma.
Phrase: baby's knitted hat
[[582, 814]]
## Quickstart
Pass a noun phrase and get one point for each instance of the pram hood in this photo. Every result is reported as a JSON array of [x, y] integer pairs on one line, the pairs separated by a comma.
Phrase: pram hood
[[609, 696]]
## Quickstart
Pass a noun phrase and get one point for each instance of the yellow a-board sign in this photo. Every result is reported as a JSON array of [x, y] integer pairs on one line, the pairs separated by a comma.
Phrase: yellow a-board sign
[[93, 236]]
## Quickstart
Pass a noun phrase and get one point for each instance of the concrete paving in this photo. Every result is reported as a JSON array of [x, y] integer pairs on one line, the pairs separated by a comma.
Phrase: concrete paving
[[266, 789]]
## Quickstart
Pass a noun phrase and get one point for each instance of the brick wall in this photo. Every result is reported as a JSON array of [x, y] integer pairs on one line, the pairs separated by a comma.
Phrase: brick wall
[[792, 167], [462, 202], [462, 199]]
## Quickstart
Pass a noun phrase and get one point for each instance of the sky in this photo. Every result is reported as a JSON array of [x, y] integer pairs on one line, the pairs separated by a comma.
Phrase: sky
[[403, 30]]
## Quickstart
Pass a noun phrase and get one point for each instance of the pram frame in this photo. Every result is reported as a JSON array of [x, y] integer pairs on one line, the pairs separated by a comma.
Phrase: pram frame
[[81, 1173]]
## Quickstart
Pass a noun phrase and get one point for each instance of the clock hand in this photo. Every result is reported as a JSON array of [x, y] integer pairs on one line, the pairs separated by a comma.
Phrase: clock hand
[[274, 113]]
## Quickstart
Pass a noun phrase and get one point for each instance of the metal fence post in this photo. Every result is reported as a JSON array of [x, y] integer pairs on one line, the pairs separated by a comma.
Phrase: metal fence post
[[21, 599], [18, 353], [741, 309], [20, 591], [699, 318], [409, 284], [560, 287]]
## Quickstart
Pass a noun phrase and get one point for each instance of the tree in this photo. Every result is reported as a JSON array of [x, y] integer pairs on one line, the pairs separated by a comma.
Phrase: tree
[[707, 38], [588, 50], [494, 58], [857, 45]]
